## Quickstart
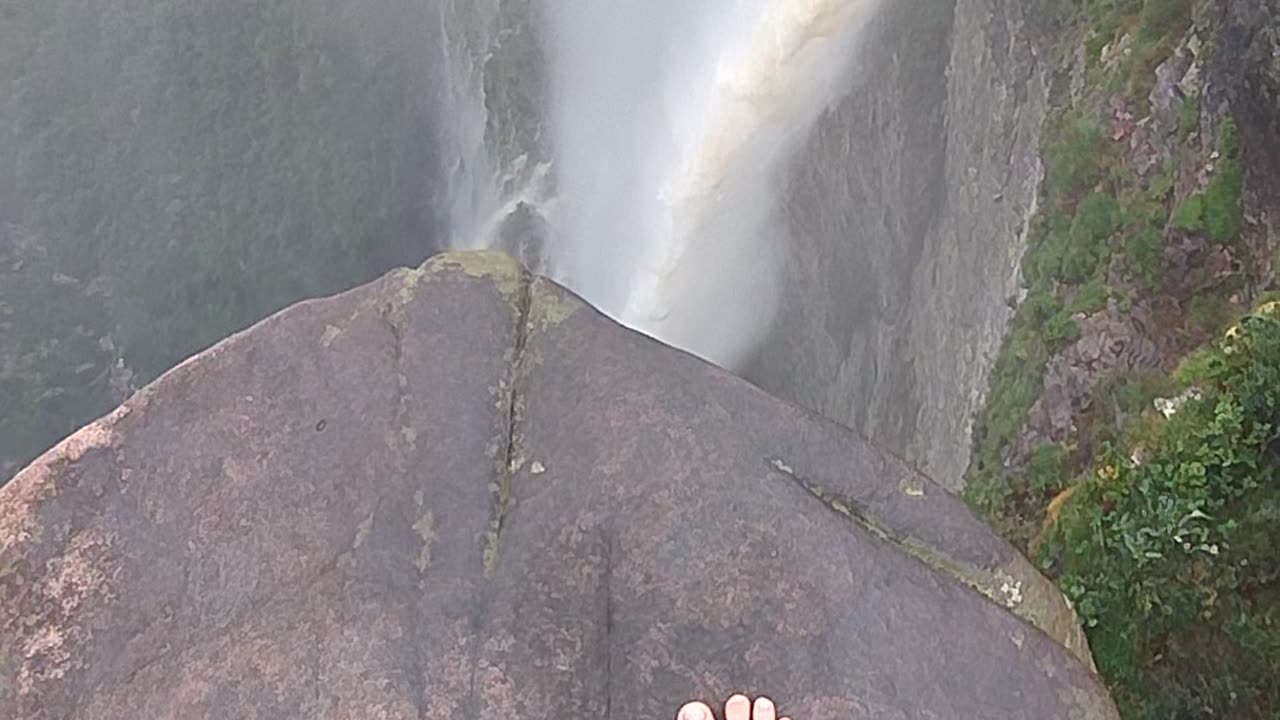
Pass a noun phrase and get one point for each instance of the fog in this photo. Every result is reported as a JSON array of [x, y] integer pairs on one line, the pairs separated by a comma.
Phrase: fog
[[172, 172]]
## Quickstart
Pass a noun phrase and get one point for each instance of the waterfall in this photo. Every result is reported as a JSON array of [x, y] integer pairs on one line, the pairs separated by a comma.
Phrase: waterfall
[[670, 123], [468, 196]]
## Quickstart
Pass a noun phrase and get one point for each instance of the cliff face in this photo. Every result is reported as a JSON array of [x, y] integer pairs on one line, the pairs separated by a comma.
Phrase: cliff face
[[1248, 76], [458, 491], [1000, 72], [906, 252], [1128, 437]]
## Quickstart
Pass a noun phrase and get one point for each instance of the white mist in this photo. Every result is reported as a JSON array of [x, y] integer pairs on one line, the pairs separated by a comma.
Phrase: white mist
[[671, 122]]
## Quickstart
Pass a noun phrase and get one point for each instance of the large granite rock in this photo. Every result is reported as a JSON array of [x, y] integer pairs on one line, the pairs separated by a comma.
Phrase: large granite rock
[[459, 492]]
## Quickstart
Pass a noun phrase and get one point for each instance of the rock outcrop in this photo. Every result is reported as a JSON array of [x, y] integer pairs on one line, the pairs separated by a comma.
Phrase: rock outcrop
[[460, 492], [1111, 342]]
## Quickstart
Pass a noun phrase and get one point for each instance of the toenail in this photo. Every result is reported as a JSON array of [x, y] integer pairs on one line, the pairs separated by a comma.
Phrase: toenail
[[694, 712]]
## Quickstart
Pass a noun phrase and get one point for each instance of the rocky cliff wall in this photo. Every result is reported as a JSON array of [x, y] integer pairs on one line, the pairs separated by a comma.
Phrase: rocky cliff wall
[[905, 253], [1128, 438]]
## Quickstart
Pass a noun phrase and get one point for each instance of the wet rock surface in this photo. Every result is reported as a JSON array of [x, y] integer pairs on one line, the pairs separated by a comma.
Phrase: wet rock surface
[[460, 492]]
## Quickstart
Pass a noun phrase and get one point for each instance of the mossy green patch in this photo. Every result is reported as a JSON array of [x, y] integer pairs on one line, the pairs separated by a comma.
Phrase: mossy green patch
[[1218, 210], [1189, 115], [1162, 18], [1074, 155], [1161, 528], [1144, 257], [507, 274], [1160, 514], [1089, 298], [551, 305], [424, 527]]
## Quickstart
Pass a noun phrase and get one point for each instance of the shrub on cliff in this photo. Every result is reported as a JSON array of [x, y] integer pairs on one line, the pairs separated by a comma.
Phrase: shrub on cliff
[[1074, 158], [1160, 18], [1217, 209], [1169, 554]]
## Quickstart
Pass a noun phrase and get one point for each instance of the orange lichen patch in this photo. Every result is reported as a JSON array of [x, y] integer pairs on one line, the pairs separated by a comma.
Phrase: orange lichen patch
[[1055, 505], [1051, 515], [20, 498]]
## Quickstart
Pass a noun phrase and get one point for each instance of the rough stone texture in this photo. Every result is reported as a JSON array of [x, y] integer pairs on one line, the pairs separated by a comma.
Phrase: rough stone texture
[[1228, 60], [1111, 341], [459, 492], [1000, 70]]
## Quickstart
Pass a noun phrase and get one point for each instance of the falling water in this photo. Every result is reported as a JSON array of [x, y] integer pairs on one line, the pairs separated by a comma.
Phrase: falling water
[[670, 123]]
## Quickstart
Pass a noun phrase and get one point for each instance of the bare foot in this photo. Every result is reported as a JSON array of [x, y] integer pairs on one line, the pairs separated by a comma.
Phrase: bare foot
[[738, 707]]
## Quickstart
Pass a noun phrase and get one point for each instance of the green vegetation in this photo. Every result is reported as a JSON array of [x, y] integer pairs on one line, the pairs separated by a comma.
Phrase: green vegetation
[[1171, 560], [1073, 157], [1089, 298], [1133, 392], [1049, 469], [1153, 26], [1099, 223], [1096, 219], [1144, 257], [1143, 218], [1208, 313], [1189, 115], [1162, 529], [1161, 18], [1040, 326], [1217, 210], [1107, 18], [1190, 214], [1069, 249]]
